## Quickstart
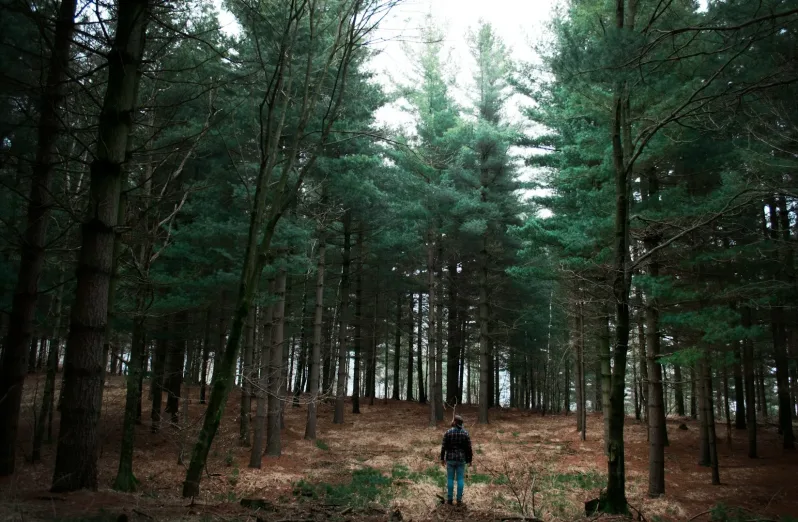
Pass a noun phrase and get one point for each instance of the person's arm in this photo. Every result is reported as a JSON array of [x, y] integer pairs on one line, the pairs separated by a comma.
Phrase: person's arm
[[468, 453], [443, 447]]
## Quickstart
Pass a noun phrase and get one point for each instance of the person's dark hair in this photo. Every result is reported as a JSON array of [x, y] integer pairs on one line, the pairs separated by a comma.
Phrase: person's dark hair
[[457, 421]]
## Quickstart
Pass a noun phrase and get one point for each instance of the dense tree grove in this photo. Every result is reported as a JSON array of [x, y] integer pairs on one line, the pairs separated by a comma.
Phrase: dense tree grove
[[221, 212]]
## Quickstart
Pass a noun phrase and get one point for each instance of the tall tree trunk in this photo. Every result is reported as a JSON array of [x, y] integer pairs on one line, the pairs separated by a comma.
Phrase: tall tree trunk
[[205, 355], [76, 459], [484, 334], [656, 410], [566, 403], [739, 390], [606, 379], [410, 337], [246, 381], [276, 367], [750, 393], [315, 358], [439, 330], [267, 344], [340, 393], [125, 479], [422, 393], [453, 349], [763, 400], [23, 305], [726, 411], [614, 499], [358, 347], [431, 331], [48, 399], [157, 383], [397, 348], [643, 363], [175, 365], [693, 393], [709, 416], [678, 390], [704, 451], [778, 330]]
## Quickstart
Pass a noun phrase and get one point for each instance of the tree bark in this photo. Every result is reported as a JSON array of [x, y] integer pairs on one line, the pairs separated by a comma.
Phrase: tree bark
[[422, 392], [315, 358], [614, 499], [175, 365], [453, 349], [750, 393], [48, 398], [397, 348], [484, 344], [276, 376], [340, 393], [410, 337], [431, 330], [739, 390], [125, 479], [246, 378], [709, 419], [678, 390], [157, 382], [606, 379], [205, 355], [358, 345], [256, 454], [77, 453], [32, 248]]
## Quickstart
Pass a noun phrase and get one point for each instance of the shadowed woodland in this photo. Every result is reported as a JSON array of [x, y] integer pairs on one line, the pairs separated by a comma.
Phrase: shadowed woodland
[[235, 285]]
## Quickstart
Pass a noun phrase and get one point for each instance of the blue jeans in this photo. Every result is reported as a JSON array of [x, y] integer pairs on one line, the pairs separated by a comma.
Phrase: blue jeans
[[454, 467]]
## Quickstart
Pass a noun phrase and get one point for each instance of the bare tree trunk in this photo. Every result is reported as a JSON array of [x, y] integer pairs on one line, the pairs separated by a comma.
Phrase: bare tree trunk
[[606, 379], [397, 348], [125, 479], [678, 390], [315, 358], [267, 344], [422, 393], [76, 460], [157, 382], [484, 334], [175, 365], [453, 349], [709, 416], [739, 389], [246, 378], [276, 363], [48, 398], [701, 399], [614, 499], [340, 394], [750, 393], [205, 355], [358, 347], [431, 331], [32, 249], [410, 337]]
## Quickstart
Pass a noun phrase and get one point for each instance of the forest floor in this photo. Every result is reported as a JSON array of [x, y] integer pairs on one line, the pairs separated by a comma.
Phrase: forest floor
[[383, 463]]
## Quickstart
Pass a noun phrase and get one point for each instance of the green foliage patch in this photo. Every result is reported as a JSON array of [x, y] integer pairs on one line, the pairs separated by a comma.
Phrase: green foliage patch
[[366, 486]]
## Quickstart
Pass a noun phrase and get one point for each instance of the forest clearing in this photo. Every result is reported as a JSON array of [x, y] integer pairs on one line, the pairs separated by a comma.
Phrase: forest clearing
[[392, 440]]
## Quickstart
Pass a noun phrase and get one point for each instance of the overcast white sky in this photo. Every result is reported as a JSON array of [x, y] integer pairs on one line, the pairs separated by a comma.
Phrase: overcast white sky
[[518, 22]]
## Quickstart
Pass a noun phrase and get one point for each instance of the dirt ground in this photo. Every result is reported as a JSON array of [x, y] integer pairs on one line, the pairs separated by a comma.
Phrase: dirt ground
[[395, 436]]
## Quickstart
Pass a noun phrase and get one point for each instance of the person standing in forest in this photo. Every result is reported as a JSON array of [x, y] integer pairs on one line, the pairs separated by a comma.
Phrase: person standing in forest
[[456, 455]]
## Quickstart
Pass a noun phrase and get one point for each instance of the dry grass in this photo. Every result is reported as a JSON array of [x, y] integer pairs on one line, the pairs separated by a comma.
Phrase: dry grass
[[385, 436]]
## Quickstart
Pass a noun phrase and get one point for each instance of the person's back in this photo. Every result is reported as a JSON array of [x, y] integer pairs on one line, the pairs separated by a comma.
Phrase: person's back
[[455, 455]]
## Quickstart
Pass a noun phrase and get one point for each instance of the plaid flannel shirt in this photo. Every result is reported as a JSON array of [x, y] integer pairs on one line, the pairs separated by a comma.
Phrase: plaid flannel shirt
[[456, 445]]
